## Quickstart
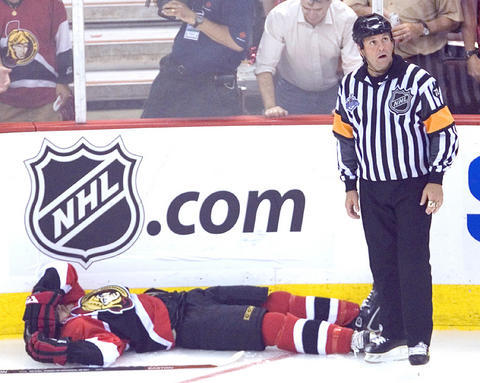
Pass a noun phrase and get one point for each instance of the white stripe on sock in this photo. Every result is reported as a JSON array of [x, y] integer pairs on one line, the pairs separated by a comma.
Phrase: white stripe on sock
[[333, 312], [297, 335], [322, 338], [310, 307]]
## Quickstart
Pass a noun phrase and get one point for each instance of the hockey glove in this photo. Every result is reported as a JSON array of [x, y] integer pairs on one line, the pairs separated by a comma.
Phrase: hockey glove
[[41, 315], [47, 350]]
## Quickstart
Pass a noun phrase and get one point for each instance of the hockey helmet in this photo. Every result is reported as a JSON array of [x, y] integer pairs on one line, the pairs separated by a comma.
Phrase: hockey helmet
[[371, 25]]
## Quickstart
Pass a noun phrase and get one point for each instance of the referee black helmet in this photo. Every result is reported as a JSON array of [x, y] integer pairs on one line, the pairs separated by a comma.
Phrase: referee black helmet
[[371, 25]]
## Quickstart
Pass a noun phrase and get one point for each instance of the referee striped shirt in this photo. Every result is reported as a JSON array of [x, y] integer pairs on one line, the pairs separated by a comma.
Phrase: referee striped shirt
[[393, 127]]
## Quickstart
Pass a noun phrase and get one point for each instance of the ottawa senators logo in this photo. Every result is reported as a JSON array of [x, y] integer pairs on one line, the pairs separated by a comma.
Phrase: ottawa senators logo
[[114, 299], [21, 47]]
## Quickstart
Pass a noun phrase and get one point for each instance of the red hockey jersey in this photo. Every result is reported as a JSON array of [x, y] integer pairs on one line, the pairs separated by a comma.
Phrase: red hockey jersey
[[35, 42], [110, 317]]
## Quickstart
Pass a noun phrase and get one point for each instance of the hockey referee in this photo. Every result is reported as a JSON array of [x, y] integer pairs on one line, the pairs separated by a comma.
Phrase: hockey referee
[[397, 136]]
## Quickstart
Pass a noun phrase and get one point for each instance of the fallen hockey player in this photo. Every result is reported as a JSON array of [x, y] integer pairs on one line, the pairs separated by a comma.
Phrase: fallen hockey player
[[63, 324]]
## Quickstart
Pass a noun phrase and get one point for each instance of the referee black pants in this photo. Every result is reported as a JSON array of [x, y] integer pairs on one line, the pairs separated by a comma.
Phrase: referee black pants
[[397, 233]]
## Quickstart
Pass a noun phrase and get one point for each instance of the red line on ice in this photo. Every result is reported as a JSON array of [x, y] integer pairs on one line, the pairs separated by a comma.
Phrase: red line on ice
[[242, 367]]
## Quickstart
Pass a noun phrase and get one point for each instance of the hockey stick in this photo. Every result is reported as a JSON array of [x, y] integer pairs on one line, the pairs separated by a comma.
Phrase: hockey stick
[[230, 360]]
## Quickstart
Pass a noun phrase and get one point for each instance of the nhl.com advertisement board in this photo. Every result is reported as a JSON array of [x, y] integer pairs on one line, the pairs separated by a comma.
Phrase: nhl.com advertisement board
[[197, 206]]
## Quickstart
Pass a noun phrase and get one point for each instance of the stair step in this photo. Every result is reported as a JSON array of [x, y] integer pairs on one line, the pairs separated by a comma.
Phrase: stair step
[[127, 48], [119, 85], [116, 10], [95, 36]]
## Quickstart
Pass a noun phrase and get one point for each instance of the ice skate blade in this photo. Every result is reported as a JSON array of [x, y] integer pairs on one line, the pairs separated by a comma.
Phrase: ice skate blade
[[397, 353]]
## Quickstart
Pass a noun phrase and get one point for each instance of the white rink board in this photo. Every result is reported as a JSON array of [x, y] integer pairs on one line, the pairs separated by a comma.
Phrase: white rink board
[[329, 248]]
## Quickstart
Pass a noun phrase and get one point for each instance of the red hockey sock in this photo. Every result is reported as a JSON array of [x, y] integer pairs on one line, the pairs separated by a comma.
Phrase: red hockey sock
[[288, 332], [347, 312], [339, 340], [297, 306], [277, 330], [271, 325], [278, 302], [332, 310], [283, 302]]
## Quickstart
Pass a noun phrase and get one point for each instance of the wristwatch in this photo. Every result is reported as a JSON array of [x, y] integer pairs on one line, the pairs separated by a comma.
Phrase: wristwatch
[[471, 53], [426, 31], [199, 19]]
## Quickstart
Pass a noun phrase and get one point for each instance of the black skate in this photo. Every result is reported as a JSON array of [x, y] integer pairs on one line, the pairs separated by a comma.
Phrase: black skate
[[384, 349], [419, 354], [368, 317]]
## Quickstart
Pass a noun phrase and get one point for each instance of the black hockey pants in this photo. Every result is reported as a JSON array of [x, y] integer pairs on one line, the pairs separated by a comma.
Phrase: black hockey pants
[[397, 233]]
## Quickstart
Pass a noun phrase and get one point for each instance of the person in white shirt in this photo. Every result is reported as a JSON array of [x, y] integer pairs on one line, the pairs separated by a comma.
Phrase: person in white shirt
[[305, 49]]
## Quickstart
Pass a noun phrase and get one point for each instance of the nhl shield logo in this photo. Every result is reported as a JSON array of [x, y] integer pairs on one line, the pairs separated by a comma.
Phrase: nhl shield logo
[[400, 101], [84, 205]]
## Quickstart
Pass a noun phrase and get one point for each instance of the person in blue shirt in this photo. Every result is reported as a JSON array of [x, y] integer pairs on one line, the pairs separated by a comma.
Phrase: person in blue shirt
[[198, 78]]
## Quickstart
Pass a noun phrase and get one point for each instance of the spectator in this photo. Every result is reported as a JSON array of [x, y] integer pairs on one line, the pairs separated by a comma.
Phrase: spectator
[[462, 65], [4, 78], [36, 44], [198, 78], [420, 34], [470, 33], [299, 54]]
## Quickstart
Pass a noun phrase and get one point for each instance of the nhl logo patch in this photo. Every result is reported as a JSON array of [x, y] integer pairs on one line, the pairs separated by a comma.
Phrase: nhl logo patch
[[84, 205], [352, 103], [400, 101]]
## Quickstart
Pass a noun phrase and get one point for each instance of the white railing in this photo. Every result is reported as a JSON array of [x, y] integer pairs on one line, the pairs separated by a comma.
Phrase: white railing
[[79, 62]]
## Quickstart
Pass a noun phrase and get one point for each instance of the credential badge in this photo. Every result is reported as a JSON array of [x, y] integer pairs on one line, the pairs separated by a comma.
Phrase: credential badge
[[84, 205], [400, 101]]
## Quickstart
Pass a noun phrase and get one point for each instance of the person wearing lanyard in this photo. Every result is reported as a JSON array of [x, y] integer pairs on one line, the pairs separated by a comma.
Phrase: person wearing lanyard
[[198, 78]]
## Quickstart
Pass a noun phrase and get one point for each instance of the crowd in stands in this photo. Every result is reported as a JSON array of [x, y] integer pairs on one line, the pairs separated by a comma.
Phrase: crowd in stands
[[420, 29], [302, 48]]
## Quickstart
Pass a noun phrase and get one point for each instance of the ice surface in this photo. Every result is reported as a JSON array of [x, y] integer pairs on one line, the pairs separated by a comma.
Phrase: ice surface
[[454, 358]]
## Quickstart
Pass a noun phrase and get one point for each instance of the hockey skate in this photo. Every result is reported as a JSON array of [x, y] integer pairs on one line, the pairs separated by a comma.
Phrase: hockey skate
[[384, 349], [368, 318], [361, 339], [419, 354]]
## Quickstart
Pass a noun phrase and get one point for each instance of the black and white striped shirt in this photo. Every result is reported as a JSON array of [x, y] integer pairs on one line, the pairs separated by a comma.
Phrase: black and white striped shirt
[[393, 127]]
